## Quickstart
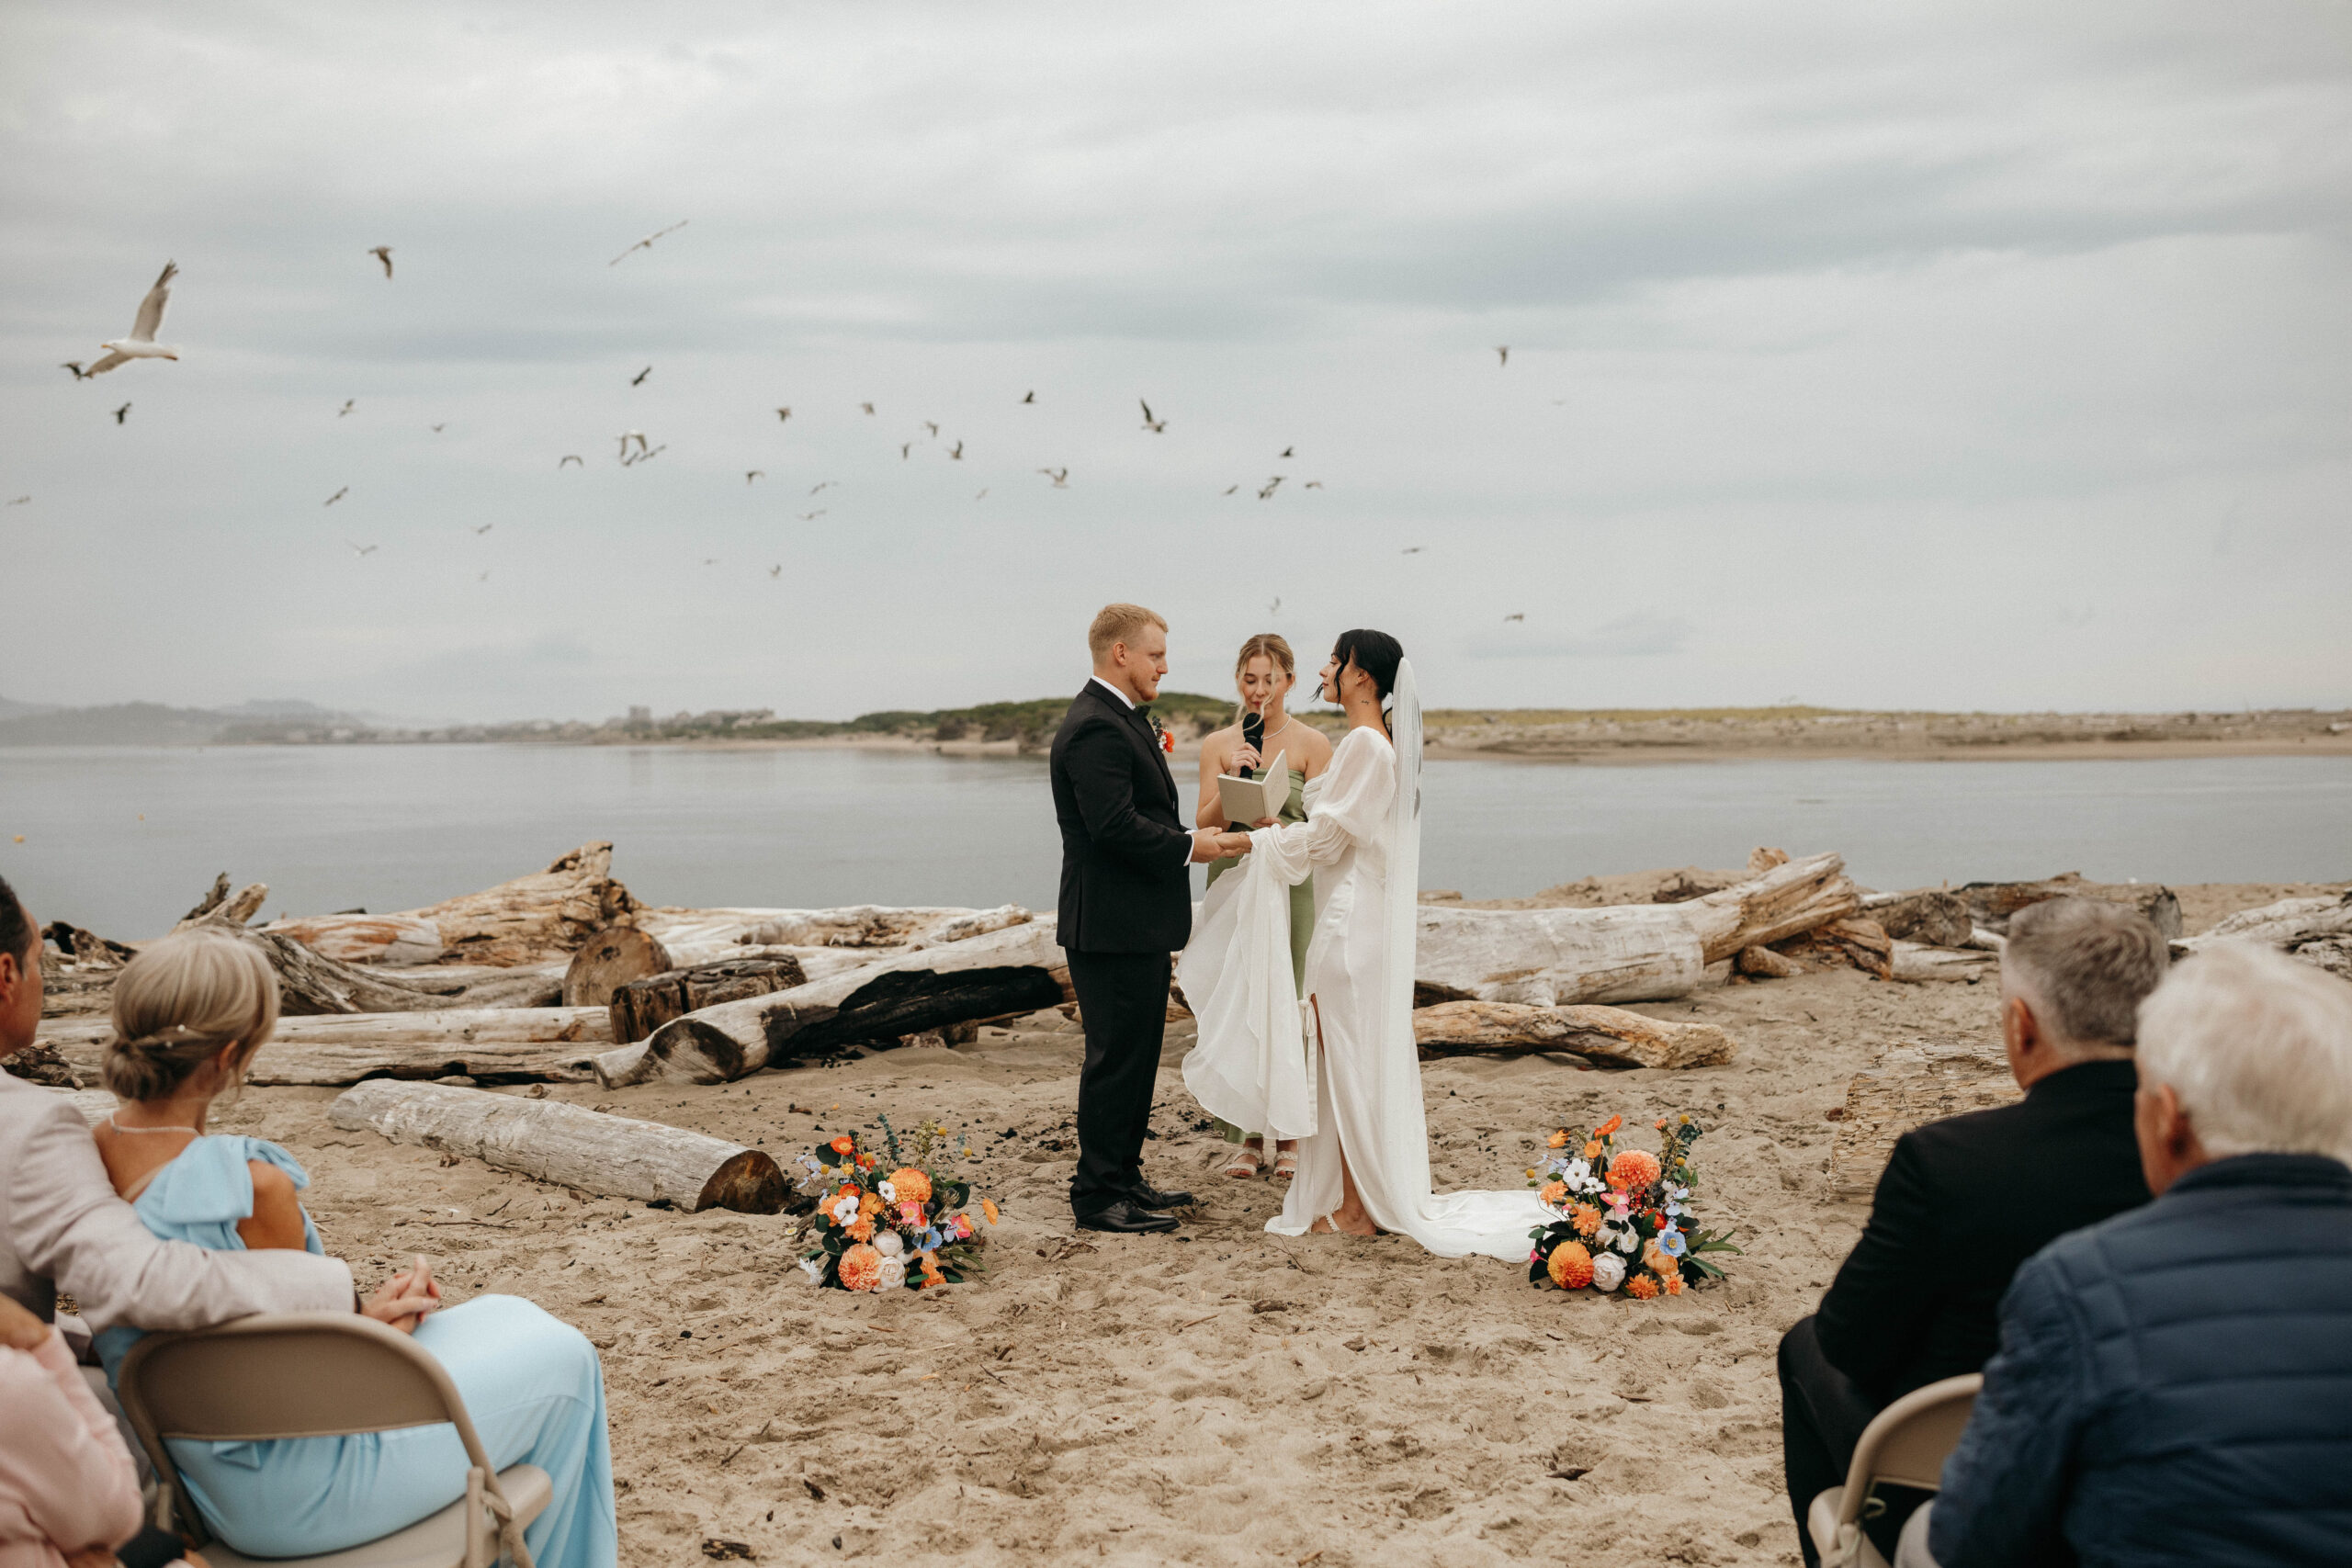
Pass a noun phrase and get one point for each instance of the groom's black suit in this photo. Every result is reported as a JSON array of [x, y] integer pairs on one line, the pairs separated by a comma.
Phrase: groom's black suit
[[1126, 904]]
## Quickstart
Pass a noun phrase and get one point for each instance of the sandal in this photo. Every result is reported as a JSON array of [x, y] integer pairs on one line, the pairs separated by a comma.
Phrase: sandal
[[1285, 1162], [1246, 1160]]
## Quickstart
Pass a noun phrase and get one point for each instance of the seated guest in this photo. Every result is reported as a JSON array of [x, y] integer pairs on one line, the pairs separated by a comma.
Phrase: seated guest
[[69, 1492], [63, 1227], [2175, 1385], [189, 1013], [1965, 1200]]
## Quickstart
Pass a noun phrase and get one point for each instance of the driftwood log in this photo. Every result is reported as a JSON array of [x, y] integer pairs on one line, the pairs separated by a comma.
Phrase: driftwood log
[[609, 960], [531, 919], [1917, 961], [1004, 973], [1604, 1036], [493, 1044], [554, 1142], [1910, 1084], [643, 1005], [1628, 952], [2316, 929], [1929, 916], [855, 935], [1850, 940], [1992, 903]]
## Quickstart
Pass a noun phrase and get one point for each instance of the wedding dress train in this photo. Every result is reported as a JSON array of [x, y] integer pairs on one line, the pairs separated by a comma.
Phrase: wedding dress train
[[1362, 842]]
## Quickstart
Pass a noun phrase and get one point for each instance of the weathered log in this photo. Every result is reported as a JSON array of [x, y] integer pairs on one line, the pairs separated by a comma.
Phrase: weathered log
[[1626, 952], [1909, 1086], [1992, 903], [564, 1144], [2316, 929], [1917, 961], [861, 933], [494, 1044], [1610, 1037], [531, 919], [1763, 963], [1930, 915], [1004, 973], [609, 960], [643, 1005], [1852, 940]]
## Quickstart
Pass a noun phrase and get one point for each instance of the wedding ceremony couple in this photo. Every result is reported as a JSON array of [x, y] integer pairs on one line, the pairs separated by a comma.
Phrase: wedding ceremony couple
[[1300, 966]]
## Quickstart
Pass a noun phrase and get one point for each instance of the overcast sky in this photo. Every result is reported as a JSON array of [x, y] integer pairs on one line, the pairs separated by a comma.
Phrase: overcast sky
[[1972, 356]]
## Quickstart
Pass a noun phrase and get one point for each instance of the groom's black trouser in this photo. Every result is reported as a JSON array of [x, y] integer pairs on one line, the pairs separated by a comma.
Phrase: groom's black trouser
[[1822, 1417], [1123, 1001]]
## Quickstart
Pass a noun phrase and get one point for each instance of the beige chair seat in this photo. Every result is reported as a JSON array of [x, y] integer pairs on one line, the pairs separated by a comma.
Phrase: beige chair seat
[[436, 1543], [1906, 1443]]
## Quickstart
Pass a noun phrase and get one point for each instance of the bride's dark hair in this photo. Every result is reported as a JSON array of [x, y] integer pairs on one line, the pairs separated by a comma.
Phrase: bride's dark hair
[[1376, 653]]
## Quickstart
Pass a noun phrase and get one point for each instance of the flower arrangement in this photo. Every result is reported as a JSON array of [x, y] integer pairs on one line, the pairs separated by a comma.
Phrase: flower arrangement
[[1625, 1216], [891, 1220]]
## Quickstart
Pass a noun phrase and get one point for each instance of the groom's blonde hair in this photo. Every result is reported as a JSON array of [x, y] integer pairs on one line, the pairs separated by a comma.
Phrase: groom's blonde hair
[[1117, 624]]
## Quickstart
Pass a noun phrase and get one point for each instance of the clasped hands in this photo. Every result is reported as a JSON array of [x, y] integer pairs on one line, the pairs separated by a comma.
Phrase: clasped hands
[[406, 1298]]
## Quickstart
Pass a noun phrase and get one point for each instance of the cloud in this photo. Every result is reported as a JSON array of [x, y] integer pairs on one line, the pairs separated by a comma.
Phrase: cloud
[[1644, 634]]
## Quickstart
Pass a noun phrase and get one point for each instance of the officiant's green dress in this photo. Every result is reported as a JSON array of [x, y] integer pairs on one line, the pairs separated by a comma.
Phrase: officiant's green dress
[[1302, 909]]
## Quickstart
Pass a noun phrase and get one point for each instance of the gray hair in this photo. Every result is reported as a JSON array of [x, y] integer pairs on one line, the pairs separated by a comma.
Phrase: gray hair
[[2258, 1047], [178, 1003], [2086, 967]]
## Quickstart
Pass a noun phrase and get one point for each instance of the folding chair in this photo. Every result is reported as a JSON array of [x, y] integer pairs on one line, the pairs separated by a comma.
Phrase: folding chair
[[1905, 1444], [317, 1374]]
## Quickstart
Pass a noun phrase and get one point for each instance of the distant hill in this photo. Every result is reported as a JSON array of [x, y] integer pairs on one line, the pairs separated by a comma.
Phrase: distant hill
[[17, 710], [124, 724]]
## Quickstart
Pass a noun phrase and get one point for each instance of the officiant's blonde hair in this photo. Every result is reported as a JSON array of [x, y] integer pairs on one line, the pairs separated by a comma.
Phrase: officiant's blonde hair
[[1117, 624]]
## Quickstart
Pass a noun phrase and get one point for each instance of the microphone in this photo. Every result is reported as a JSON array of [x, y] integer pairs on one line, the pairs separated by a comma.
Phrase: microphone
[[1253, 734]]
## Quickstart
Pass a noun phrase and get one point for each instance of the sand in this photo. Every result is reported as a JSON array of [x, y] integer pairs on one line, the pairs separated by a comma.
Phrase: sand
[[1220, 1396]]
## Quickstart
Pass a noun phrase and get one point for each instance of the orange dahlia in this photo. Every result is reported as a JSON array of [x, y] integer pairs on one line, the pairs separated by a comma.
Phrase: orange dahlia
[[1642, 1288], [1586, 1218], [1634, 1169], [861, 1227], [911, 1186], [1571, 1266], [1553, 1192], [861, 1267]]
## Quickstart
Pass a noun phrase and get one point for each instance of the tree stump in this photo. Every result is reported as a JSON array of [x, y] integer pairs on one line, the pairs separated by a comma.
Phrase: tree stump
[[609, 960], [640, 1006]]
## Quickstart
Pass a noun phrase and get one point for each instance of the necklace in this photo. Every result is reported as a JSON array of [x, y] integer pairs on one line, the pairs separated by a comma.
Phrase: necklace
[[1277, 735], [120, 1128]]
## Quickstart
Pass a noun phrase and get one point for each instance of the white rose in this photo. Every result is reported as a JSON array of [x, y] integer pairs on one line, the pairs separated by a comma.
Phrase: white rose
[[1608, 1271], [1627, 1241], [894, 1275], [888, 1245]]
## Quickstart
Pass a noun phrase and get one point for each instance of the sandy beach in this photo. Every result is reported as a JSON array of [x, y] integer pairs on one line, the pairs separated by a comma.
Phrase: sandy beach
[[1220, 1396]]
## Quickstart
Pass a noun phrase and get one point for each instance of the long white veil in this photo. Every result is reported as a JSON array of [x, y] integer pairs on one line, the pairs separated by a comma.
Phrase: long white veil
[[1404, 858]]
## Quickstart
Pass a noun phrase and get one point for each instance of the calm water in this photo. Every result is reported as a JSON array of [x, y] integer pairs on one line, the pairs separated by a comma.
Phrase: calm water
[[123, 840]]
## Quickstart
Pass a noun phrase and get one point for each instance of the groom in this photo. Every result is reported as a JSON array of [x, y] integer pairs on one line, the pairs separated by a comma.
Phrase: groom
[[1126, 904]]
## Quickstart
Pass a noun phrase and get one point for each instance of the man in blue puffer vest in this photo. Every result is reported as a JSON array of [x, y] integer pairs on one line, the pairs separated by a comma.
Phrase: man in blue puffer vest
[[2175, 1385]]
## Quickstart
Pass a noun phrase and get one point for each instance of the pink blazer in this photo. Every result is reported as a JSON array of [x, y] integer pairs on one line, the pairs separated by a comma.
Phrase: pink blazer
[[66, 1482]]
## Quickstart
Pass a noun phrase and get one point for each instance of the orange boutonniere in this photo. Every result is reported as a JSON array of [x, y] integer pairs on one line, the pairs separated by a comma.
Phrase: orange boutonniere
[[1161, 733]]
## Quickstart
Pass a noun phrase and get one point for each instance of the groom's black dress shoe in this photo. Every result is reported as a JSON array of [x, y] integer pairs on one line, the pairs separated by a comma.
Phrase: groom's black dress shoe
[[1147, 1196], [1125, 1217]]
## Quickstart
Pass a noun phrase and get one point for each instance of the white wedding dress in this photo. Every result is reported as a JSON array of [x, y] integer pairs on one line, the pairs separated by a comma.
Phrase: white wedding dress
[[1355, 1080]]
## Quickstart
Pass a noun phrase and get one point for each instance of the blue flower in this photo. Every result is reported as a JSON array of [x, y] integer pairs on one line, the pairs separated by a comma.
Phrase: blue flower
[[1670, 1241]]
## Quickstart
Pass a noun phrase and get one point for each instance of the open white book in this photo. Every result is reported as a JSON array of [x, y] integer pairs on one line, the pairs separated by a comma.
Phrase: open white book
[[1248, 801]]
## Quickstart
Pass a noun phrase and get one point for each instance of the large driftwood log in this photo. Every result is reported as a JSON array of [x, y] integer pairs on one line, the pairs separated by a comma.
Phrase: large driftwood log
[[531, 919], [1016, 970], [861, 933], [1609, 1037], [1930, 916], [1910, 1084], [1852, 940], [609, 960], [564, 1144], [496, 1045], [2316, 929], [1992, 903], [1625, 953], [643, 1005], [1917, 961]]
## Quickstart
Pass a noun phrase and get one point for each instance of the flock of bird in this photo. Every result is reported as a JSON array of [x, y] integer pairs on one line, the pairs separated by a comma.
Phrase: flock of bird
[[634, 446]]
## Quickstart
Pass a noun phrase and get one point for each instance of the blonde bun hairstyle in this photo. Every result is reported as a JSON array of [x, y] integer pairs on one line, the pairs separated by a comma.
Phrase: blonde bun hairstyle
[[176, 1006]]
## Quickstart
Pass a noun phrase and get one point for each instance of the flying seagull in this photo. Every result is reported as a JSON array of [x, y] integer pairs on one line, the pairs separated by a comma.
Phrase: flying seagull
[[821, 484], [1414, 549], [1060, 476], [1229, 490], [141, 343], [338, 495], [485, 528], [1275, 608], [626, 438], [363, 549], [1312, 484], [710, 561], [956, 452], [1031, 397], [783, 414], [638, 380], [982, 496], [440, 427], [647, 456], [1270, 485], [1288, 451], [647, 243], [750, 474], [122, 414], [1508, 619], [384, 253], [483, 578], [1156, 426], [867, 407], [1502, 353], [932, 425], [571, 458], [776, 571], [812, 516], [20, 500], [906, 450], [75, 366], [347, 404]]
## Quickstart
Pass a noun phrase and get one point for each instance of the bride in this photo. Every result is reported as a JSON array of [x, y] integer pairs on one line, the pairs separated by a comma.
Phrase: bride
[[1351, 1090]]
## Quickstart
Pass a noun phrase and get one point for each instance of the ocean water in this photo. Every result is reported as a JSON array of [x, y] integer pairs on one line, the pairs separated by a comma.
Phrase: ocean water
[[123, 840]]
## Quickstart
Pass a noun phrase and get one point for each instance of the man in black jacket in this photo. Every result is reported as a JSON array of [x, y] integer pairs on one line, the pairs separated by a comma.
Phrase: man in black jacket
[[1126, 904], [1964, 1202]]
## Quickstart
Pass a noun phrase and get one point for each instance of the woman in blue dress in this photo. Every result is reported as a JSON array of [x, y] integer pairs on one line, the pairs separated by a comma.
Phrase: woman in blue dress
[[189, 1013]]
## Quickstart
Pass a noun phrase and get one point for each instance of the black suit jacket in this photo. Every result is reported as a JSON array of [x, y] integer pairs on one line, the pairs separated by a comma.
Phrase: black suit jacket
[[1962, 1202], [1127, 886]]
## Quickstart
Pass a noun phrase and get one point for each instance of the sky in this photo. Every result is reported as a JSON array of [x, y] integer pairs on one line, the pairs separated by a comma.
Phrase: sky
[[1966, 356]]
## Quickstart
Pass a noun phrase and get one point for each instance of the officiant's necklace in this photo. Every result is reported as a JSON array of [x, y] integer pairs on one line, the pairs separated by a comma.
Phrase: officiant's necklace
[[1278, 734]]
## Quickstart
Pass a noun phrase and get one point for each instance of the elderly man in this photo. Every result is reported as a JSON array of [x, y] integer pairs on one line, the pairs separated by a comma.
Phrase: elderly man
[[1964, 1202], [2175, 1385]]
